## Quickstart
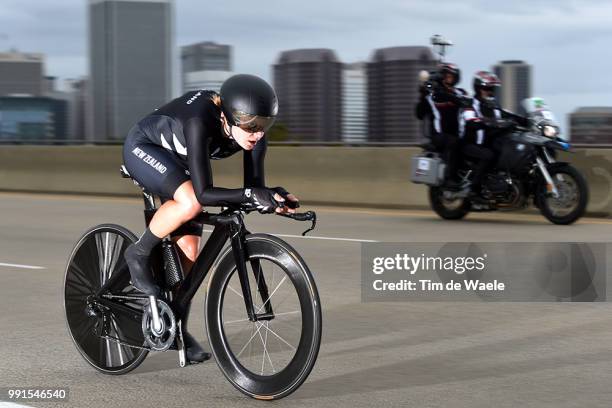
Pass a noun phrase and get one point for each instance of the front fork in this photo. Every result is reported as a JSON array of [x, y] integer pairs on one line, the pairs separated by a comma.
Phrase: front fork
[[238, 241], [550, 184]]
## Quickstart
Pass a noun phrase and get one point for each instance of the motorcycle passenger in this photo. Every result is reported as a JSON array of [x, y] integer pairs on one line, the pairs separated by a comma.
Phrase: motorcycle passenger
[[440, 103], [482, 122], [169, 153]]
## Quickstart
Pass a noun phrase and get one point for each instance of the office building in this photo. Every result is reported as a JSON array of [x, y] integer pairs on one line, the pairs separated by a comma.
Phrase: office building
[[392, 75], [205, 65], [308, 83], [206, 56], [78, 103], [32, 118], [354, 102], [130, 50], [21, 74], [591, 125], [516, 79]]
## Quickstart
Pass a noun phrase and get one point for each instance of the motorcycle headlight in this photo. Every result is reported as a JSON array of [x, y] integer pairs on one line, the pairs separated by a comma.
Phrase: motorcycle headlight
[[549, 131]]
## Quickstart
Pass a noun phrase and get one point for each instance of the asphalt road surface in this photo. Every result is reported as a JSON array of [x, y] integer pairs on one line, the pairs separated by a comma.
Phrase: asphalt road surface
[[408, 354]]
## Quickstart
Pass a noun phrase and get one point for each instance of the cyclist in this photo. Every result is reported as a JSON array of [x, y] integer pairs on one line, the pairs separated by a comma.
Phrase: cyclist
[[441, 101], [169, 152]]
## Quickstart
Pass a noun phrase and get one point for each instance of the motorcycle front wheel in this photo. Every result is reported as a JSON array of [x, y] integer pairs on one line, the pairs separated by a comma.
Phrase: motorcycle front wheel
[[573, 196]]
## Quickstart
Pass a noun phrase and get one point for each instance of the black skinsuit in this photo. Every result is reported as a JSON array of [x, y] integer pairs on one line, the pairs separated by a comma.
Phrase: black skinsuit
[[176, 142]]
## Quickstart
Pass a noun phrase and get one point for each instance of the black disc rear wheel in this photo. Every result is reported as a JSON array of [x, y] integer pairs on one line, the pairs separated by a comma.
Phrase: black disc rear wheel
[[116, 313]]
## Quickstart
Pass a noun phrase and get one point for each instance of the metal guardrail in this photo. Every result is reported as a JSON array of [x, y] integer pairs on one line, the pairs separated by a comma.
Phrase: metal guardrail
[[48, 142]]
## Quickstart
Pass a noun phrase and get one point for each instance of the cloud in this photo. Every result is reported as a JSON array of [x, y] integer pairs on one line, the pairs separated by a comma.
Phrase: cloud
[[565, 40]]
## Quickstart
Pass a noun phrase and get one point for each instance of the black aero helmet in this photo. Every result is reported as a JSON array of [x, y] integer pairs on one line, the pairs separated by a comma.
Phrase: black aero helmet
[[485, 80], [249, 102], [448, 68]]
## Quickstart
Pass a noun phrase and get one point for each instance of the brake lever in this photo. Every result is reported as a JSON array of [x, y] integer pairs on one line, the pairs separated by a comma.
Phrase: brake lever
[[307, 216]]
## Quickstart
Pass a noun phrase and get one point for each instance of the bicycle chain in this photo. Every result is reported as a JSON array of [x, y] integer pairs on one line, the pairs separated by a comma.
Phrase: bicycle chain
[[123, 343], [125, 297], [117, 340]]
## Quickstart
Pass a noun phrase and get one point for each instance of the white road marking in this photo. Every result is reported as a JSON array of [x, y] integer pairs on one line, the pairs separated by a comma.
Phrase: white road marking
[[9, 265], [325, 238], [314, 237], [12, 405]]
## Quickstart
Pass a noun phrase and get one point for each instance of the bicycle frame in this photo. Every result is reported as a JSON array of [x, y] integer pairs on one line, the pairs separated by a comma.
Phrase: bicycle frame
[[228, 225]]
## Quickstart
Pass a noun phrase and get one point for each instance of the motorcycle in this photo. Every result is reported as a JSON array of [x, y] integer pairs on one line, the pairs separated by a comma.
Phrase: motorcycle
[[525, 169]]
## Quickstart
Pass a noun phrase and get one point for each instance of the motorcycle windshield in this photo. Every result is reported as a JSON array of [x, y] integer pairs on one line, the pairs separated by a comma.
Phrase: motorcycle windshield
[[539, 112]]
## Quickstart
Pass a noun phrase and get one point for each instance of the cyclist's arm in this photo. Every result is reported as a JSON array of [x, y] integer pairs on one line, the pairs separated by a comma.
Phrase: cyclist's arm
[[253, 164], [198, 157]]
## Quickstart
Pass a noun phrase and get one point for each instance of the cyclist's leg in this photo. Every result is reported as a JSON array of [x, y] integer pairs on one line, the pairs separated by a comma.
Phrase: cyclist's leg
[[188, 246], [157, 170]]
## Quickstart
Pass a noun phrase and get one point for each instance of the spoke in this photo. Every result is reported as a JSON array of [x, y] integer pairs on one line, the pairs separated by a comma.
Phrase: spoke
[[235, 291], [250, 339], [272, 294], [268, 353], [279, 337], [263, 355], [251, 344], [275, 315], [287, 325], [237, 321], [279, 303], [239, 332], [264, 342], [287, 313]]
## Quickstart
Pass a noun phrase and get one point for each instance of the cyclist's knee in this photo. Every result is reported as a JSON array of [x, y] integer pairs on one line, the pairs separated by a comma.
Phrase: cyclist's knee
[[189, 209]]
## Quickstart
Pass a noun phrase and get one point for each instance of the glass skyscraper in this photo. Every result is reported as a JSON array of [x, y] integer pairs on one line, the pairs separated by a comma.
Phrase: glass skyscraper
[[130, 47]]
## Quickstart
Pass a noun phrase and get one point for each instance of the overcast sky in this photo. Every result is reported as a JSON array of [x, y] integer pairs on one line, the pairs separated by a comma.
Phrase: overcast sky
[[567, 42]]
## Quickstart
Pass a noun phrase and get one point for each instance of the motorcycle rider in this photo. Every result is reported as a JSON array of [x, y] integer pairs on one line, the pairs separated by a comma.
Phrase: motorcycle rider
[[482, 122], [440, 103]]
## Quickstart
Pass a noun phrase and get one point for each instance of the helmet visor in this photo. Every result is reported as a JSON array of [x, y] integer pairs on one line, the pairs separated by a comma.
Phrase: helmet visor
[[253, 123]]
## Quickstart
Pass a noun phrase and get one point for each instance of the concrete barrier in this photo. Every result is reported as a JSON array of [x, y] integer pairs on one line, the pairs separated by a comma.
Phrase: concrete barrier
[[359, 176]]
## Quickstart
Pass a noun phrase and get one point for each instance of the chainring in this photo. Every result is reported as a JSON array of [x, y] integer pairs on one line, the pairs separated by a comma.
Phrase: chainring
[[163, 341]]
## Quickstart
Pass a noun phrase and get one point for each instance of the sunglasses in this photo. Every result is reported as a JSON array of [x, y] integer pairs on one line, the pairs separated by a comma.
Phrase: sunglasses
[[253, 123]]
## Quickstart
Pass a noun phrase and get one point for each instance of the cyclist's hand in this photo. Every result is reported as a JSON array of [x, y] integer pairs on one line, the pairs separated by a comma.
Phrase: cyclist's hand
[[291, 201], [262, 199]]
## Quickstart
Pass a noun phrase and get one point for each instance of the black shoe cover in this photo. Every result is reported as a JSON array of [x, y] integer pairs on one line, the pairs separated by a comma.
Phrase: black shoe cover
[[140, 273], [194, 352]]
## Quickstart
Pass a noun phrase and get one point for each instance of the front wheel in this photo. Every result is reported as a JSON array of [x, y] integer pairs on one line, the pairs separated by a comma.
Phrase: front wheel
[[449, 209], [271, 357], [573, 197]]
